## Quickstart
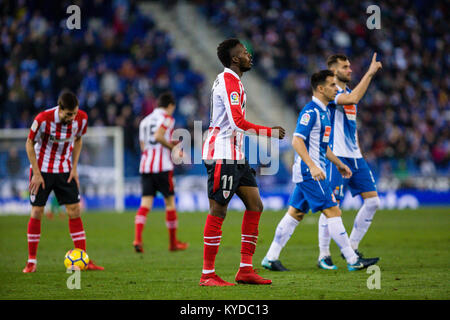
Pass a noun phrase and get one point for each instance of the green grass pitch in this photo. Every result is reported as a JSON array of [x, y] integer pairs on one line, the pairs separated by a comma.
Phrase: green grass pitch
[[413, 246]]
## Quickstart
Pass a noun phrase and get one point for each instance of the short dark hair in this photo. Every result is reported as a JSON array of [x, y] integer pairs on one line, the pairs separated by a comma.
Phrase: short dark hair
[[333, 59], [67, 100], [224, 49], [165, 98], [320, 77]]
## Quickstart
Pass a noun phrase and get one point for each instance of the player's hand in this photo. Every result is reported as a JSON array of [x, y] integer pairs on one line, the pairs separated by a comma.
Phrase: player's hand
[[374, 65], [74, 175], [36, 181], [317, 173], [345, 171], [278, 132], [177, 153]]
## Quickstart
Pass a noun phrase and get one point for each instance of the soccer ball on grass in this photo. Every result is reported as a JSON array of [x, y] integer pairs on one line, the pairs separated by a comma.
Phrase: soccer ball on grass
[[76, 259]]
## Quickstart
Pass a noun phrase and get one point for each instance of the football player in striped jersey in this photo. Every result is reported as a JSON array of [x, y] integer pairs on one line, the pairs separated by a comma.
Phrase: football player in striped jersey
[[53, 147], [156, 169], [228, 171]]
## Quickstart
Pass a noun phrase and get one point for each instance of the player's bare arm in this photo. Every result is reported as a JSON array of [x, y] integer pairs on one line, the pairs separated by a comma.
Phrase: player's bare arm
[[37, 180], [359, 91], [343, 169], [299, 146], [77, 145]]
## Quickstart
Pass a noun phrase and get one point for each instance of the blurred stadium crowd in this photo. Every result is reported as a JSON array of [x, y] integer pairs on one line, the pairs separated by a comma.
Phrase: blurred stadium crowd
[[404, 117], [119, 61]]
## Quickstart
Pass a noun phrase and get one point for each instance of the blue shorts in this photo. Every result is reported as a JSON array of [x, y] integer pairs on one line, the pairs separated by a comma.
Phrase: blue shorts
[[362, 179], [314, 195]]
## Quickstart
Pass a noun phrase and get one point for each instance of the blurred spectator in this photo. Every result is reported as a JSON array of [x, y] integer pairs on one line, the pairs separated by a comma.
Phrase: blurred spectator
[[117, 64], [404, 117]]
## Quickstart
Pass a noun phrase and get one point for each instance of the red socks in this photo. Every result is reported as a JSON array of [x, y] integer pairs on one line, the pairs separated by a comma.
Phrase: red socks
[[139, 222], [141, 218], [211, 237], [172, 223], [250, 224], [33, 235], [77, 233]]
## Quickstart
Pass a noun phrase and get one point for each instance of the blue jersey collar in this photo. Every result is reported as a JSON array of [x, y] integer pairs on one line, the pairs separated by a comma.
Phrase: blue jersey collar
[[319, 103]]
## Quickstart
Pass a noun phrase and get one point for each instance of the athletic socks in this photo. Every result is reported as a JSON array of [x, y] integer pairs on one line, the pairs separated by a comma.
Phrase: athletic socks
[[172, 224], [33, 236], [283, 233], [249, 237], [212, 235], [324, 237], [363, 220], [139, 223], [77, 233], [339, 235]]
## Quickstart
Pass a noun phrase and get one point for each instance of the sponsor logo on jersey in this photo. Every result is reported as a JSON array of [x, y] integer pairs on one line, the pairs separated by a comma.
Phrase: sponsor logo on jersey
[[350, 112], [53, 138], [234, 98], [326, 135]]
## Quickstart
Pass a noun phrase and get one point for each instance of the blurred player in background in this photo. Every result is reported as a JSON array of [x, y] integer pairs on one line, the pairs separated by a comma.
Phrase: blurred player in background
[[228, 170], [312, 190], [53, 148], [156, 168], [344, 144]]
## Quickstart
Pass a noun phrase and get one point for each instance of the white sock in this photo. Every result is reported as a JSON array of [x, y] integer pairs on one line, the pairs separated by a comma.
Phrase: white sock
[[283, 233], [324, 237], [363, 220], [339, 235]]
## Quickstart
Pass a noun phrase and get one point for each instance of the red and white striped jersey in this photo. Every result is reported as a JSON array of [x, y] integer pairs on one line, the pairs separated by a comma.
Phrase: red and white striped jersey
[[54, 140], [227, 119], [155, 157]]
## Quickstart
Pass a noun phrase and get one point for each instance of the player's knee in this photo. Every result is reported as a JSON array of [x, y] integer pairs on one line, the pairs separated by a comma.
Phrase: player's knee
[[73, 210], [218, 211], [372, 203], [296, 214], [257, 206], [332, 212], [37, 212]]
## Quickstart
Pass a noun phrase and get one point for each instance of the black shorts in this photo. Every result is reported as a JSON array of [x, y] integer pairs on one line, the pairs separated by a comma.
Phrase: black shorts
[[153, 182], [226, 176], [66, 193]]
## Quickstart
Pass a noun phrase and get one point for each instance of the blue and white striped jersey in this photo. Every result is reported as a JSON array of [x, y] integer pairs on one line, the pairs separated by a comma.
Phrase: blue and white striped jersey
[[314, 127], [344, 134]]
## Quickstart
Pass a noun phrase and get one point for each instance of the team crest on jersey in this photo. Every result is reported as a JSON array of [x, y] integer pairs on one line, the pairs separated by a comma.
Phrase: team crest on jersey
[[234, 98], [32, 197], [226, 194], [305, 119]]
